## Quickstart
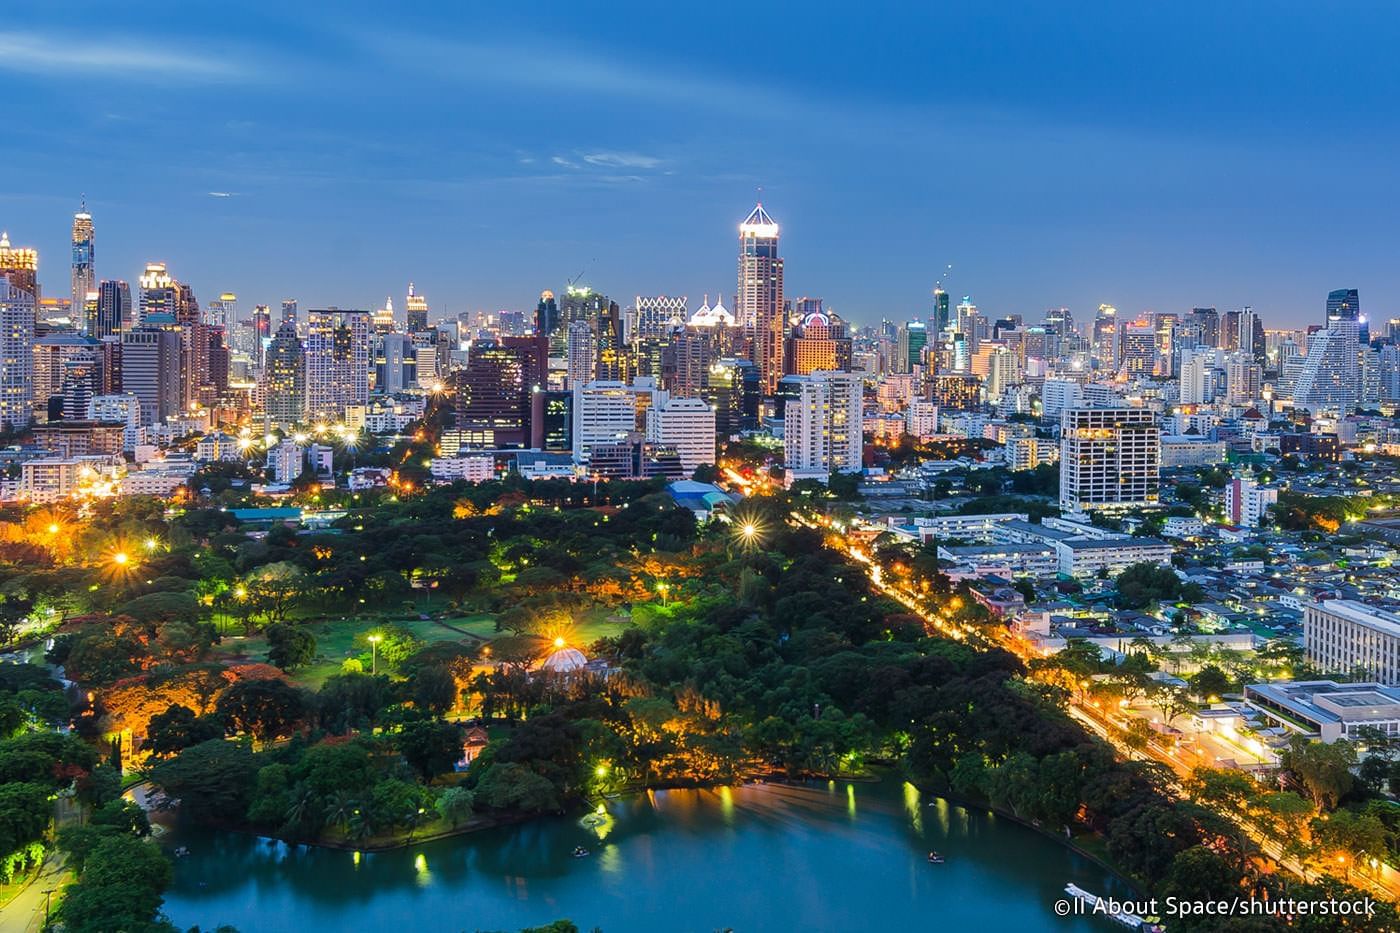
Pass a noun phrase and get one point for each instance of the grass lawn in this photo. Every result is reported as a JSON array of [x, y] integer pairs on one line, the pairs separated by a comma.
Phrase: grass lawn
[[335, 639], [335, 642]]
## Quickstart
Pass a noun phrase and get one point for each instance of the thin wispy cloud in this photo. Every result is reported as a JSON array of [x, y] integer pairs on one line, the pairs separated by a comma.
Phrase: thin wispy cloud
[[111, 56], [621, 160], [223, 194], [509, 63]]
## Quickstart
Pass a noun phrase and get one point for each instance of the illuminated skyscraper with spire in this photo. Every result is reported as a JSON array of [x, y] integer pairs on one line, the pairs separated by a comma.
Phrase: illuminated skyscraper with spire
[[84, 279], [416, 310], [759, 307]]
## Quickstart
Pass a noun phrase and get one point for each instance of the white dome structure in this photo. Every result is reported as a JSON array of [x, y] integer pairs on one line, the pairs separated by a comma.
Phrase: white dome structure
[[709, 316], [564, 661]]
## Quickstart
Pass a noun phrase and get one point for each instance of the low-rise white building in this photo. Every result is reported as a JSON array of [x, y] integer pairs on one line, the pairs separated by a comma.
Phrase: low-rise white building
[[470, 469], [1086, 557]]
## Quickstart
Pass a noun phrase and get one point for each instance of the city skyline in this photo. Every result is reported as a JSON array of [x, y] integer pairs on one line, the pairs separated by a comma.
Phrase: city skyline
[[441, 310], [282, 156]]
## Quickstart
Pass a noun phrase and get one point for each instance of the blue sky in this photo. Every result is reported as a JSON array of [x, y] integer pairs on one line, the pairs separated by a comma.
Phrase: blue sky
[[1155, 156]]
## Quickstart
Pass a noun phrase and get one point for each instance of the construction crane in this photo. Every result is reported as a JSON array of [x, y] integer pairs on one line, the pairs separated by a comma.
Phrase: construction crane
[[575, 280]]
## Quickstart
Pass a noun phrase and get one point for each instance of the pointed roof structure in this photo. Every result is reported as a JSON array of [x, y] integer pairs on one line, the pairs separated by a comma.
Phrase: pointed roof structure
[[758, 223]]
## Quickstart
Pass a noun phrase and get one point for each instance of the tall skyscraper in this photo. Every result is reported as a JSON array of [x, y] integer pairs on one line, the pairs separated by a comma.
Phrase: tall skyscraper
[[547, 314], [150, 360], [610, 357], [289, 311], [284, 379], [941, 319], [1207, 321], [496, 400], [913, 338], [157, 291], [383, 319], [822, 425], [416, 309], [222, 311], [262, 332], [759, 306], [1330, 379], [580, 353], [1343, 304], [337, 362], [83, 255], [1110, 459], [113, 310], [20, 264], [1105, 338], [16, 355]]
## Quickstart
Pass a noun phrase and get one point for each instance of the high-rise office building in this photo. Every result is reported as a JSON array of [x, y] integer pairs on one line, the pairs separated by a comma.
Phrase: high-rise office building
[[686, 424], [580, 353], [1207, 321], [610, 362], [284, 379], [759, 303], [289, 311], [262, 332], [52, 353], [1197, 379], [1137, 352], [913, 338], [685, 361], [337, 362], [1343, 304], [941, 319], [416, 311], [656, 316], [606, 413], [732, 388], [383, 319], [1110, 459], [822, 425], [395, 363], [16, 355], [1105, 338], [496, 401], [821, 341], [158, 292], [150, 360], [20, 264], [1243, 381], [547, 314], [222, 311], [113, 309], [83, 278]]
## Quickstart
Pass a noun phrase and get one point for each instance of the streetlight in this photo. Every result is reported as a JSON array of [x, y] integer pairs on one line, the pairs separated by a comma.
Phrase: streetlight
[[121, 558], [663, 588], [374, 653]]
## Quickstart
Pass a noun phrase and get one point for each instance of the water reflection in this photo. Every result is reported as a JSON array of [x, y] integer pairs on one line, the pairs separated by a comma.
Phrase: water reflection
[[757, 857]]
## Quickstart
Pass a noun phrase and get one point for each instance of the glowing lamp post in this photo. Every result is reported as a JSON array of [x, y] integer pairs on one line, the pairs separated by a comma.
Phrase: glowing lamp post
[[374, 653]]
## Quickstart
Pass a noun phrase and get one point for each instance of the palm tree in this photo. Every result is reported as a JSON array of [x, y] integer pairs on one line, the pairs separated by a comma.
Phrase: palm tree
[[339, 809], [303, 805]]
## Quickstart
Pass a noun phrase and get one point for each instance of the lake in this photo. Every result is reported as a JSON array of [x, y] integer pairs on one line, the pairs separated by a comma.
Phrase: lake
[[835, 856]]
